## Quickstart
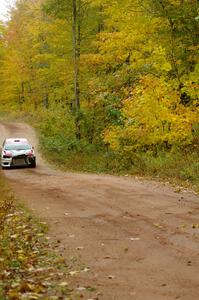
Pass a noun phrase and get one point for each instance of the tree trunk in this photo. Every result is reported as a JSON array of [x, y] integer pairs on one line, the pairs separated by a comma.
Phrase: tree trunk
[[22, 94], [45, 100], [76, 55]]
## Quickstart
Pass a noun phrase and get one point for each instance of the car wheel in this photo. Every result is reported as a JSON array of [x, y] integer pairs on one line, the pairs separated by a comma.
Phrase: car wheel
[[33, 164]]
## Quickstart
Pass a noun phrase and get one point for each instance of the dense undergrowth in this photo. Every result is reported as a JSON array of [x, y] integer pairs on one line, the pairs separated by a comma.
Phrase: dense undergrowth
[[29, 268], [178, 165], [60, 146]]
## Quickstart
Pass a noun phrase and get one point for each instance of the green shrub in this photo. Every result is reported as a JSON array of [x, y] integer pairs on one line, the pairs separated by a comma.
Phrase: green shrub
[[190, 172]]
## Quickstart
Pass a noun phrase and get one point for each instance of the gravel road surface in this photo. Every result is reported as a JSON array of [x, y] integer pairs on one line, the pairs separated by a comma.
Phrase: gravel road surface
[[137, 239]]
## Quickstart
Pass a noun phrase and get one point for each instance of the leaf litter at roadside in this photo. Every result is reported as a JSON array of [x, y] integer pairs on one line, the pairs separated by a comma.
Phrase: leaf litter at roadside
[[29, 268]]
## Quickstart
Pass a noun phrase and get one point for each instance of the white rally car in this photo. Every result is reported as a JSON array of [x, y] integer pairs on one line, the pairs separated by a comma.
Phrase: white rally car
[[17, 152]]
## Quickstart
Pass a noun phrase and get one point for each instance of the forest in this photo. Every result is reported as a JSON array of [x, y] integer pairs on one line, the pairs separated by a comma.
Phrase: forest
[[112, 85]]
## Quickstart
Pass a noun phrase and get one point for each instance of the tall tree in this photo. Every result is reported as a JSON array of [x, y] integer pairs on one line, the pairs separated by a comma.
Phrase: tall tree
[[71, 11]]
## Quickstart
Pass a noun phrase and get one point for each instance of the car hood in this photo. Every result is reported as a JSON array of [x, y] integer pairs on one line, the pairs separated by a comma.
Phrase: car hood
[[18, 152]]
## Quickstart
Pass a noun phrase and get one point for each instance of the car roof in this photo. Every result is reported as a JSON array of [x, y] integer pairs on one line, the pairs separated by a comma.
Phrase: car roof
[[16, 140]]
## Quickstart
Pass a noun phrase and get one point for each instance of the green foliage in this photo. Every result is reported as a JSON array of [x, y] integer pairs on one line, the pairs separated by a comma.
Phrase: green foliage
[[56, 123], [177, 164], [137, 70], [190, 172]]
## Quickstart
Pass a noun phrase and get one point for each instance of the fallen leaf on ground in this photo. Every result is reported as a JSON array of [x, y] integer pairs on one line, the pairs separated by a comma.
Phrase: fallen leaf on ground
[[80, 248], [111, 277], [72, 273], [81, 288], [134, 238], [63, 284], [157, 225]]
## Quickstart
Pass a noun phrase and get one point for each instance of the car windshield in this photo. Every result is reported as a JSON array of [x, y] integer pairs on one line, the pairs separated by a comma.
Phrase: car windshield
[[17, 146]]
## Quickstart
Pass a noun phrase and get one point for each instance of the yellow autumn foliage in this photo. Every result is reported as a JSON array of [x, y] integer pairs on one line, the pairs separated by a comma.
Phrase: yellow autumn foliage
[[153, 116]]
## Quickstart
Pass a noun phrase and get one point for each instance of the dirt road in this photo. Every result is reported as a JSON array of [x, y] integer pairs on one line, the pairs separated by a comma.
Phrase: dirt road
[[136, 237]]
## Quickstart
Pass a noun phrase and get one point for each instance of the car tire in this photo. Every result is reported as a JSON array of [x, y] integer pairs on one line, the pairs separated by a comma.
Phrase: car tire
[[33, 164]]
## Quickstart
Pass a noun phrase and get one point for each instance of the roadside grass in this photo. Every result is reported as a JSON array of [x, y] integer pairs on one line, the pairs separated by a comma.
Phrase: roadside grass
[[74, 156], [29, 267], [180, 166]]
